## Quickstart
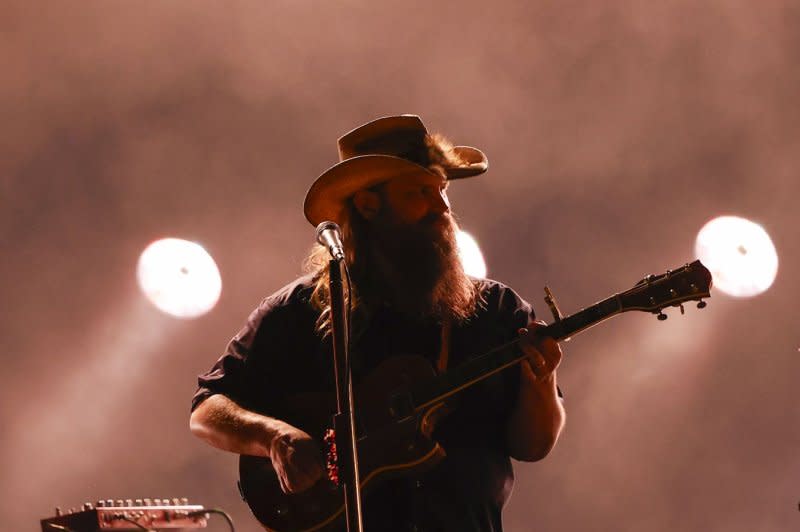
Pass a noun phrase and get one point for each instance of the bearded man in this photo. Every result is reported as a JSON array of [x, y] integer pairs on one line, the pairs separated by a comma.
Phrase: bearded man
[[409, 295]]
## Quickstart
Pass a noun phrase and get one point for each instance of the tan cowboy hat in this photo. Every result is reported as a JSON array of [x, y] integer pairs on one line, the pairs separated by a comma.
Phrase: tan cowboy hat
[[389, 147]]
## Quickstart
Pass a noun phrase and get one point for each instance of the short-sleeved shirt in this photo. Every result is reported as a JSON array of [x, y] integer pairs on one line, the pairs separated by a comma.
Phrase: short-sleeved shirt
[[279, 354]]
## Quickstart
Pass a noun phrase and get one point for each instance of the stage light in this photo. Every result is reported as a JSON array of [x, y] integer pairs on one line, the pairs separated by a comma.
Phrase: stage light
[[179, 277], [470, 254], [740, 255]]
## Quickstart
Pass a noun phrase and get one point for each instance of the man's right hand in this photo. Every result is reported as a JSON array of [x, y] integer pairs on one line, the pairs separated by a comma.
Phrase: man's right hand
[[296, 458]]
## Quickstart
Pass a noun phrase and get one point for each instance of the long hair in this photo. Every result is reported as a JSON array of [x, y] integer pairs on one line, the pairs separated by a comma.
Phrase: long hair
[[317, 262]]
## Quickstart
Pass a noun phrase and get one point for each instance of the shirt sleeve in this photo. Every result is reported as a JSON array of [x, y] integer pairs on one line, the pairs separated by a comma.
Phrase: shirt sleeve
[[231, 375]]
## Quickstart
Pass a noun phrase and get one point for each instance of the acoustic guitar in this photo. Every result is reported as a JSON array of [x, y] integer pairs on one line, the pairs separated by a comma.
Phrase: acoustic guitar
[[401, 402]]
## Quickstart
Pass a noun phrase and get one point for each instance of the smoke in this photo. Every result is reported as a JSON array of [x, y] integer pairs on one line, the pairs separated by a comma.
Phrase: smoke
[[614, 130]]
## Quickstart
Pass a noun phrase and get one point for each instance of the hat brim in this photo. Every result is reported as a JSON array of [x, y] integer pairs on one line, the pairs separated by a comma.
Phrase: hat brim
[[327, 196]]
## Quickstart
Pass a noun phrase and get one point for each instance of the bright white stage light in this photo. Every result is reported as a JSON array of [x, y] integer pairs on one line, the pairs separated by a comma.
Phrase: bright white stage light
[[470, 254], [740, 255], [179, 277]]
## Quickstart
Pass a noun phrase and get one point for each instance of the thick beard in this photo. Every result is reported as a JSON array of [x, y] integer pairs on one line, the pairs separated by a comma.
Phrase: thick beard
[[416, 269]]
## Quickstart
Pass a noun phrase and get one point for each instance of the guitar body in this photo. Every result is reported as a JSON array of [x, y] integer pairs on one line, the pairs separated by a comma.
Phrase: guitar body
[[393, 440], [399, 405]]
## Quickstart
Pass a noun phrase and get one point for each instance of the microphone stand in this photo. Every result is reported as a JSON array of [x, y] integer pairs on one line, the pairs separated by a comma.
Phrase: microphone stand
[[344, 419]]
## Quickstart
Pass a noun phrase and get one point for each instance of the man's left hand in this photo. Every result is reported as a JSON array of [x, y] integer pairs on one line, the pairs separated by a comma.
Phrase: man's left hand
[[544, 353]]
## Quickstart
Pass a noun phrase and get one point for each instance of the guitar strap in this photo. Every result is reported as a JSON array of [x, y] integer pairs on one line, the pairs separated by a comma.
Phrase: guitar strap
[[444, 351]]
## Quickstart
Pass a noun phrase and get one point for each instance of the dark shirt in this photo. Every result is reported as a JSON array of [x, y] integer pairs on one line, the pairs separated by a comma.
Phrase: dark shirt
[[279, 354]]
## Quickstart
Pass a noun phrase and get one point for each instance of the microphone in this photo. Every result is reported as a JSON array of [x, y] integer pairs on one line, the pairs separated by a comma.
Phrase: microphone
[[330, 236]]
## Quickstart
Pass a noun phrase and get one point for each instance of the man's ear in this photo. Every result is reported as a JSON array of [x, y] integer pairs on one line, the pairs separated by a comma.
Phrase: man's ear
[[367, 203]]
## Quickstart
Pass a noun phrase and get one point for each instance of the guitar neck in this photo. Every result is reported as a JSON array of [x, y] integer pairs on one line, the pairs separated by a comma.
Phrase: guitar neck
[[583, 319], [475, 370]]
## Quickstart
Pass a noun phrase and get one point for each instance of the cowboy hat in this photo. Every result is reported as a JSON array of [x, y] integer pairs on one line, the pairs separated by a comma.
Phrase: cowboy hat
[[386, 148]]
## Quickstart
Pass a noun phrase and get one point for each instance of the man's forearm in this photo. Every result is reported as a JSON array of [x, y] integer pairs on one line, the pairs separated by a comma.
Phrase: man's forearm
[[226, 425], [536, 422], [295, 457]]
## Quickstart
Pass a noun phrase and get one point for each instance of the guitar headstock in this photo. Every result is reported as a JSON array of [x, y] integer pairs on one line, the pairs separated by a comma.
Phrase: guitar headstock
[[691, 282]]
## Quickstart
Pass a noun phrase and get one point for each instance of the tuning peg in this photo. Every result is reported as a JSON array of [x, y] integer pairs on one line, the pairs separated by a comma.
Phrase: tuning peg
[[701, 304], [661, 316], [681, 307]]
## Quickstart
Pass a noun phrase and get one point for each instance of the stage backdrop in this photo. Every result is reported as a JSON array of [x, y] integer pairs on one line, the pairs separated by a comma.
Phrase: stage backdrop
[[615, 130]]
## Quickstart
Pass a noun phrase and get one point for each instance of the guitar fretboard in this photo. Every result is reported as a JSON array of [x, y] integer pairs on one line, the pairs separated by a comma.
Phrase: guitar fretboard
[[583, 319]]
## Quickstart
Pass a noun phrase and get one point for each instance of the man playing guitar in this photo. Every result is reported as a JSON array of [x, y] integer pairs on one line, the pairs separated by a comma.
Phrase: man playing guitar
[[410, 296]]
